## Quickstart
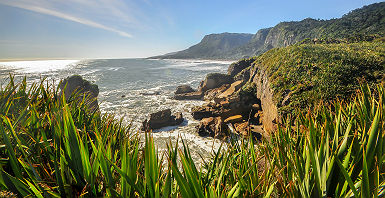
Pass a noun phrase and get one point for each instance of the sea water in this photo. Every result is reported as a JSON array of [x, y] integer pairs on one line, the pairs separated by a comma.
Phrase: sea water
[[134, 88]]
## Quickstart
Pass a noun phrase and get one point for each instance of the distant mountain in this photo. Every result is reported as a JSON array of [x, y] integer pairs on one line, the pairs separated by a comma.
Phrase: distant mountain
[[367, 20], [212, 46]]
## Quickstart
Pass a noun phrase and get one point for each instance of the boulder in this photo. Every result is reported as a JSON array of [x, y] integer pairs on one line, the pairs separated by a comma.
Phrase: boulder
[[237, 67], [178, 118], [162, 119], [212, 126], [77, 86], [230, 106], [182, 89], [215, 80], [189, 96]]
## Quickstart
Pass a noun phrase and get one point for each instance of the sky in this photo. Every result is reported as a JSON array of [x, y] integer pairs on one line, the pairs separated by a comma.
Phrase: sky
[[77, 29]]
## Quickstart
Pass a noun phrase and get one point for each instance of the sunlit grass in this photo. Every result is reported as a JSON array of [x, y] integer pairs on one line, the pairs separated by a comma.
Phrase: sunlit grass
[[51, 147]]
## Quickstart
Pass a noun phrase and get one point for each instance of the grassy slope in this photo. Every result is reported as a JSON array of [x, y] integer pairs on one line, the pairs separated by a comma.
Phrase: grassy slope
[[311, 73]]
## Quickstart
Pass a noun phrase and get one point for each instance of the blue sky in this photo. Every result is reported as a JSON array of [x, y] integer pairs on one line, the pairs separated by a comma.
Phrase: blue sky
[[125, 28]]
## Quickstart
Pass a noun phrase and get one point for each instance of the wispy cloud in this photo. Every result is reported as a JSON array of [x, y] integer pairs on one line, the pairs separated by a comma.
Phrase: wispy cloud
[[46, 7]]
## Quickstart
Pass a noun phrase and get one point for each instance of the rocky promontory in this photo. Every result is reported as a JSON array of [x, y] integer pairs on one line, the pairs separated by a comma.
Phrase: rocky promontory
[[257, 93], [76, 88], [232, 105], [231, 108]]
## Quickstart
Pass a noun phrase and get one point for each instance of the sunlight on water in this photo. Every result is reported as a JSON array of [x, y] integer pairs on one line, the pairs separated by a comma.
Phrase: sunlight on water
[[40, 66]]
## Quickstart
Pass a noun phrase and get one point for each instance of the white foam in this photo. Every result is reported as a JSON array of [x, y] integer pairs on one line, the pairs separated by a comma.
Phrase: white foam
[[40, 66], [205, 143], [89, 72], [194, 65]]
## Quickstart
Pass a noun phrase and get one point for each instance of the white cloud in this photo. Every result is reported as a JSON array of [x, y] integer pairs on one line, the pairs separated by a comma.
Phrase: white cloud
[[112, 8]]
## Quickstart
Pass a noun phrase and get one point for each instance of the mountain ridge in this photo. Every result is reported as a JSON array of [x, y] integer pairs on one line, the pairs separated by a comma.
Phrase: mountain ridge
[[369, 19]]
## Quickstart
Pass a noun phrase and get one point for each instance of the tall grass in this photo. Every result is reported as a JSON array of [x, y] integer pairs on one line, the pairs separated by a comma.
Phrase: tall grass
[[336, 151], [51, 147]]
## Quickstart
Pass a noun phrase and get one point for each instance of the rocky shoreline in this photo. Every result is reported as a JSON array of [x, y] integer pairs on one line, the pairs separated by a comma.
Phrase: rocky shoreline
[[232, 104], [237, 103]]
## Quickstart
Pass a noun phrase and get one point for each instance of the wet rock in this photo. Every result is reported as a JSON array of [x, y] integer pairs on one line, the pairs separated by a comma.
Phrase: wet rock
[[77, 86], [162, 119], [150, 93], [182, 89], [215, 80], [178, 118], [230, 106], [189, 96], [212, 126]]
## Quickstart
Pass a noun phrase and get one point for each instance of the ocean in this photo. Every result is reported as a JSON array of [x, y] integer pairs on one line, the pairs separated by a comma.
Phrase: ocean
[[132, 89]]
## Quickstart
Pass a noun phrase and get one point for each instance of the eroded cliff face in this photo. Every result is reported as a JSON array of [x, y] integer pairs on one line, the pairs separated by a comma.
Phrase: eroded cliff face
[[266, 95], [244, 107]]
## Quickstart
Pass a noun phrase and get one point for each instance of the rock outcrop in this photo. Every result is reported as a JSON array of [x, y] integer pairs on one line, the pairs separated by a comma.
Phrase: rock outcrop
[[235, 106], [215, 80], [265, 94], [231, 113], [237, 67], [185, 92], [213, 93], [182, 89], [162, 119], [228, 92], [75, 88], [196, 95], [211, 126]]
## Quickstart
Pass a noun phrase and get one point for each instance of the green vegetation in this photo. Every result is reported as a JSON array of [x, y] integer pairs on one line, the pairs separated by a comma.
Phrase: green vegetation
[[51, 148], [310, 73], [335, 151]]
